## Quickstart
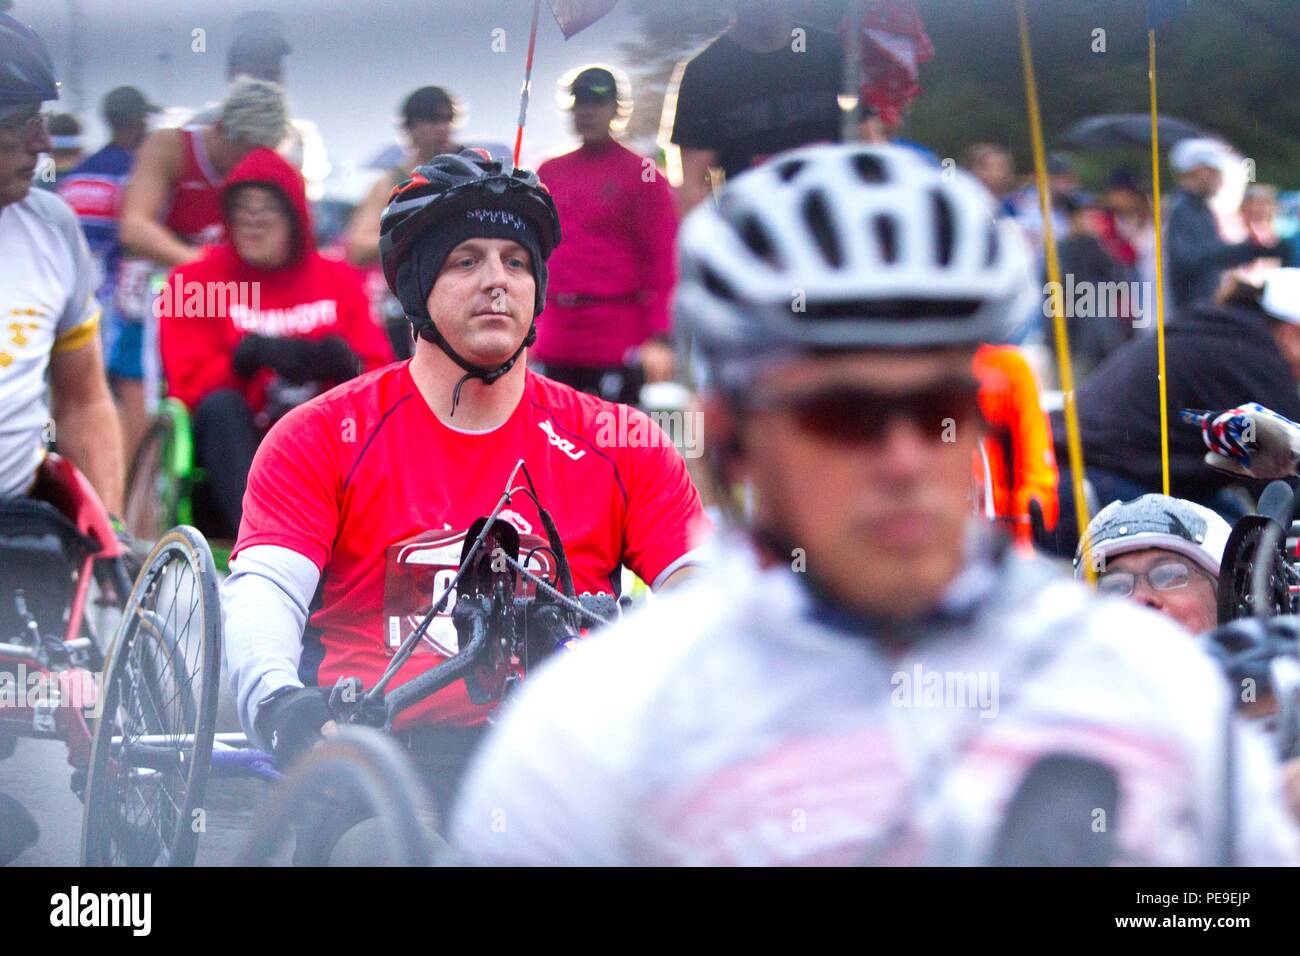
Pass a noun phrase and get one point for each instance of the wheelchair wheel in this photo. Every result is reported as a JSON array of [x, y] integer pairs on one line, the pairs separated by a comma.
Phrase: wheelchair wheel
[[153, 739], [154, 484], [358, 777]]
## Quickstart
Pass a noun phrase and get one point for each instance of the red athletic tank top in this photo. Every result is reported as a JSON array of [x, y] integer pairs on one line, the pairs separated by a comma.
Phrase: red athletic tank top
[[195, 213]]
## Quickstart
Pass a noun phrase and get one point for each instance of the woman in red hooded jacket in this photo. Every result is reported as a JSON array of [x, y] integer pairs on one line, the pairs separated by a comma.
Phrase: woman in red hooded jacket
[[261, 323]]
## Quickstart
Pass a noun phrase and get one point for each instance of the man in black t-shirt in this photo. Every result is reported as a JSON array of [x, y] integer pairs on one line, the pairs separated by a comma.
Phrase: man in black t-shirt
[[764, 86]]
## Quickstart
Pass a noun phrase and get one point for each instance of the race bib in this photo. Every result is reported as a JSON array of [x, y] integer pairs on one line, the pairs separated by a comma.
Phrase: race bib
[[134, 292], [417, 571]]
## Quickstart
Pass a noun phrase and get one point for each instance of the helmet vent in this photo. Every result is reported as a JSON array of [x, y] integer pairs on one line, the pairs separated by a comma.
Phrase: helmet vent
[[943, 227], [886, 229], [789, 169], [869, 168], [717, 285], [892, 310], [994, 241], [817, 216], [759, 242]]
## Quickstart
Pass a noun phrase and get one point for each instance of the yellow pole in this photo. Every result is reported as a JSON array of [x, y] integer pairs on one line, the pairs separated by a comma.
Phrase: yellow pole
[[1066, 371], [1160, 279]]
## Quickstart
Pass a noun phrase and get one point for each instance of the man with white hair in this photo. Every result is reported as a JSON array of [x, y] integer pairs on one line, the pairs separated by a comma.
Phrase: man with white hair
[[1161, 552], [170, 211], [1197, 253]]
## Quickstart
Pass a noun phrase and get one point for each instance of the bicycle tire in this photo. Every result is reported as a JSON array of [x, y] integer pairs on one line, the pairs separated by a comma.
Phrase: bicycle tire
[[355, 775], [141, 661], [152, 491]]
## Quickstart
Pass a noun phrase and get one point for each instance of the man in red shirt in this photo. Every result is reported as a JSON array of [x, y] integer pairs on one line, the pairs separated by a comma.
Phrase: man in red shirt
[[348, 487], [605, 329]]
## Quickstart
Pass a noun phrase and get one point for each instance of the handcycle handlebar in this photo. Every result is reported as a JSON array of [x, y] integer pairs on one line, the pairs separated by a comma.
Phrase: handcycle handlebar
[[537, 628], [471, 617]]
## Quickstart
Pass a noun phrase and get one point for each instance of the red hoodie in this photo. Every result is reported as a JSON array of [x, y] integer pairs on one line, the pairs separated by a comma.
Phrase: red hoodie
[[209, 305]]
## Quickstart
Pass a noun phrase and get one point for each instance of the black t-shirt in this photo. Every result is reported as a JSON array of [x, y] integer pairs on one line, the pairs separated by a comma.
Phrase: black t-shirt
[[749, 105], [1217, 358]]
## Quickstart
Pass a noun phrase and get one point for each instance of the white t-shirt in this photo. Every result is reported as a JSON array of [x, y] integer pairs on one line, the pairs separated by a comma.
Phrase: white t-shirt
[[47, 305], [725, 725]]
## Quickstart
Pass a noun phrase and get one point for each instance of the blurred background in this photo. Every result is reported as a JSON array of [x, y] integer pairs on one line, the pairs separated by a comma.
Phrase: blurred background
[[1227, 65]]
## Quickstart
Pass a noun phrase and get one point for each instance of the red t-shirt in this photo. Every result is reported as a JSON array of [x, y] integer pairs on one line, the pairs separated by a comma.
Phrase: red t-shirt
[[368, 464]]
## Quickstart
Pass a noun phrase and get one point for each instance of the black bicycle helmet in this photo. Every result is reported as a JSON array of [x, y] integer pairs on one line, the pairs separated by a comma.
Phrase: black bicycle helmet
[[447, 185], [26, 70]]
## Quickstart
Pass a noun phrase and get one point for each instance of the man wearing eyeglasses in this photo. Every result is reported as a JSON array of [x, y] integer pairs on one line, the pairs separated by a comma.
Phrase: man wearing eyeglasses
[[49, 324], [865, 673], [1162, 552], [49, 319]]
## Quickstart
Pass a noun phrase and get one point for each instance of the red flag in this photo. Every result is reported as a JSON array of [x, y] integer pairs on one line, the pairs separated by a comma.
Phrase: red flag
[[574, 16], [894, 45]]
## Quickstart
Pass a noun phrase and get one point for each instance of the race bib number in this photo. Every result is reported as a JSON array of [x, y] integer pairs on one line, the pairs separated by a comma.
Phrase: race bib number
[[419, 569], [133, 295]]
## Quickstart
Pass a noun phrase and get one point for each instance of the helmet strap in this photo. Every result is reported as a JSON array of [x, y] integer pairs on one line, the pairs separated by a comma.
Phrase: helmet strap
[[426, 329]]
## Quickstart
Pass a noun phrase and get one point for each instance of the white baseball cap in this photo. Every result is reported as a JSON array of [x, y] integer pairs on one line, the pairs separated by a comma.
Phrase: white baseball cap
[[1281, 298], [1190, 153]]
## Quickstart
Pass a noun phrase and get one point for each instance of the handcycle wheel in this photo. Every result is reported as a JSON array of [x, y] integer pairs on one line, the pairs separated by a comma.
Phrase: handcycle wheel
[[1235, 593], [153, 739], [357, 775], [153, 490]]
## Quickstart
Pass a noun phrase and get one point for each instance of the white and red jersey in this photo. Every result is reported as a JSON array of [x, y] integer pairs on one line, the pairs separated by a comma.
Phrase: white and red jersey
[[733, 722], [354, 480]]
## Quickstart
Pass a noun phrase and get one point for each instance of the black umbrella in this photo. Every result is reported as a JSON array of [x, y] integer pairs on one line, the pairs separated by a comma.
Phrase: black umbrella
[[1118, 130]]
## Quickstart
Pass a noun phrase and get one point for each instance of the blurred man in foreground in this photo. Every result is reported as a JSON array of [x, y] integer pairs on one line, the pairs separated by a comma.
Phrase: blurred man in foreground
[[825, 692]]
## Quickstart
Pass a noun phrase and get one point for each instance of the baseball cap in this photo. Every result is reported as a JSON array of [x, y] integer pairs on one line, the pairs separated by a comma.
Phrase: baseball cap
[[1281, 298], [1190, 153], [124, 104], [65, 131], [258, 39], [594, 84]]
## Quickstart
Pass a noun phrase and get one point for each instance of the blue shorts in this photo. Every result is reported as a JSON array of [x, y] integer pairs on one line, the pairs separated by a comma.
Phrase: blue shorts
[[127, 358]]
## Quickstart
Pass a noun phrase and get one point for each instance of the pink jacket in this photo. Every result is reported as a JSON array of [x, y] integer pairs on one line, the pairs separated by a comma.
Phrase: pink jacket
[[611, 277]]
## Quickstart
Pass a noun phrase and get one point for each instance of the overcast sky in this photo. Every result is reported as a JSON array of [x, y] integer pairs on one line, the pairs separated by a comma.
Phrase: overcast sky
[[353, 60]]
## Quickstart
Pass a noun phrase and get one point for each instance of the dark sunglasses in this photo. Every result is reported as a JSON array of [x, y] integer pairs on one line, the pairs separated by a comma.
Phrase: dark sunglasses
[[862, 416]]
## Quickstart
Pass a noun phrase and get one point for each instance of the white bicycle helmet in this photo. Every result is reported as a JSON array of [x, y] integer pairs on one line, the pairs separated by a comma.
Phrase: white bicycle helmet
[[849, 247], [1155, 521]]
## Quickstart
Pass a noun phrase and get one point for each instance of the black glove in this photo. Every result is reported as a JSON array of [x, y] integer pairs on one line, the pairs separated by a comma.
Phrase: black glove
[[291, 359], [333, 360], [250, 355], [291, 720]]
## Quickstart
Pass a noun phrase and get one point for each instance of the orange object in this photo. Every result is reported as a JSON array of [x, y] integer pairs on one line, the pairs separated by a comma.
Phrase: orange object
[[1021, 459]]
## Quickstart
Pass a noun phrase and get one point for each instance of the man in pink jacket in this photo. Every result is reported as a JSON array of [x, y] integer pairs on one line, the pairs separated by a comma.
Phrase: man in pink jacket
[[605, 328]]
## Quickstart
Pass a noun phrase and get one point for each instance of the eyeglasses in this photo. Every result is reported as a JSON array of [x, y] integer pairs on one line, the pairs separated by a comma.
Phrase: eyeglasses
[[858, 416], [254, 213], [24, 128], [1169, 576]]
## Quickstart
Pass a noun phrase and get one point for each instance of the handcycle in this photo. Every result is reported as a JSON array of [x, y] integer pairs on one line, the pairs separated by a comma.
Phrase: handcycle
[[64, 580], [156, 746], [164, 482], [501, 635]]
